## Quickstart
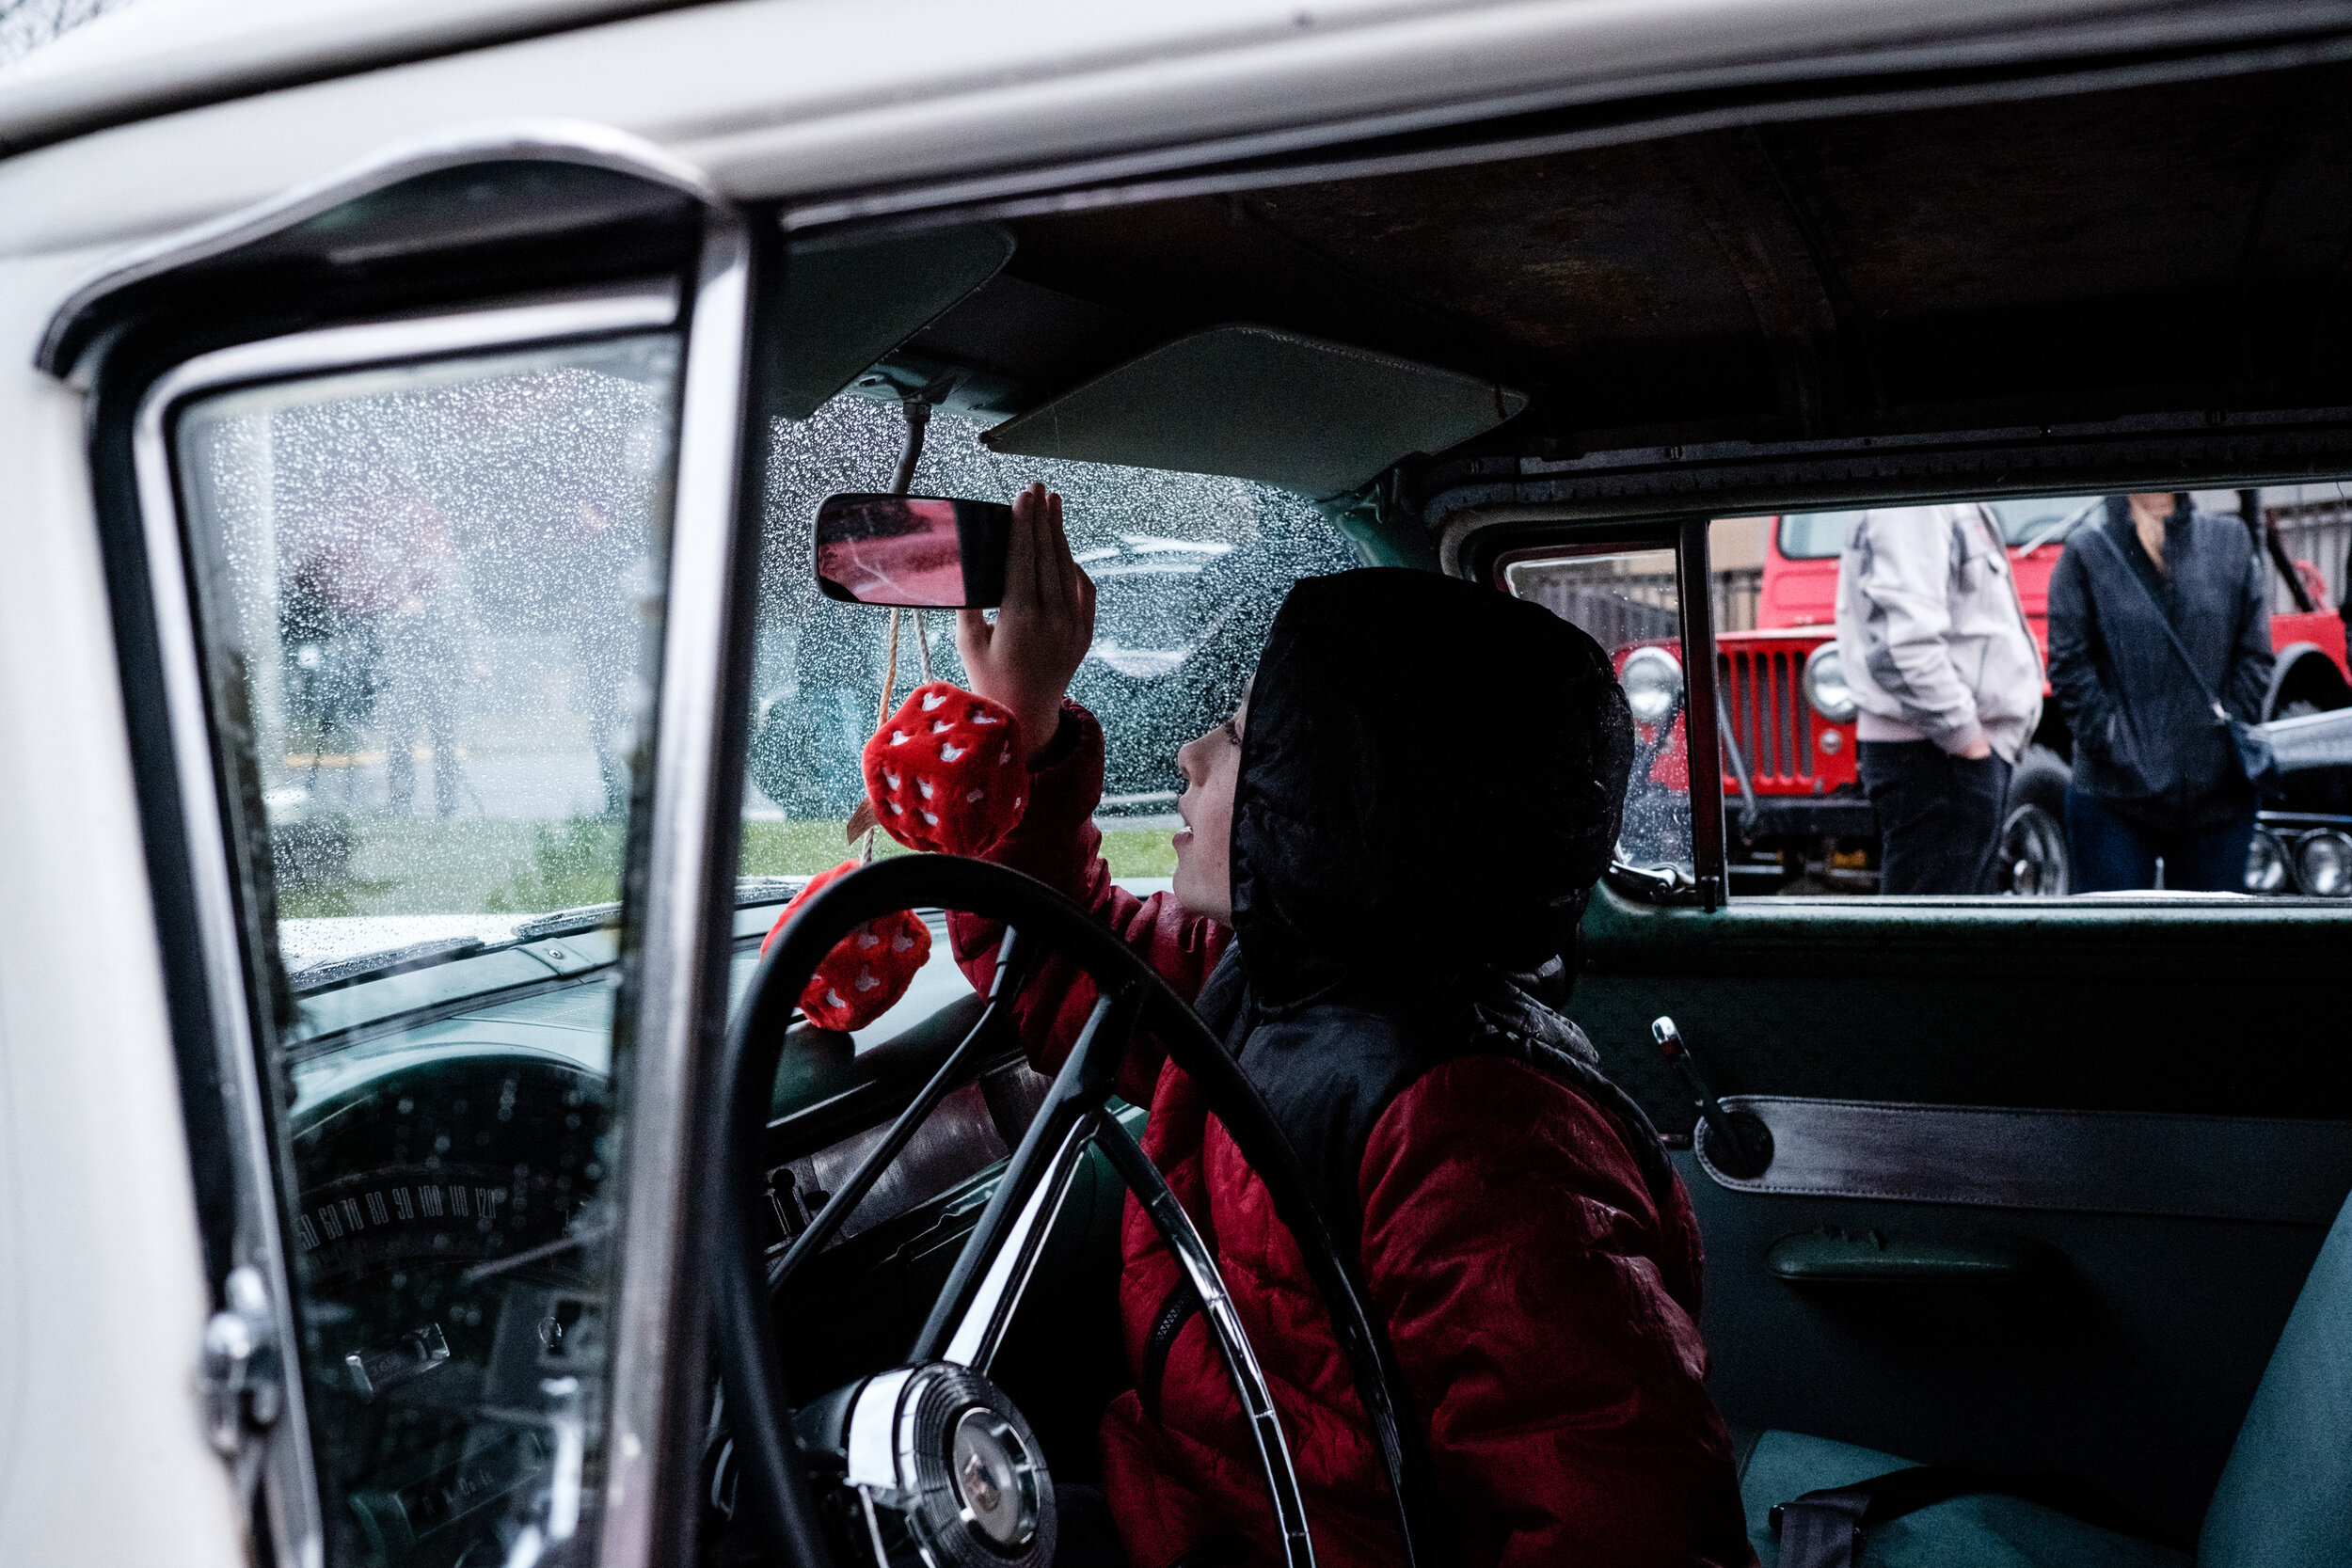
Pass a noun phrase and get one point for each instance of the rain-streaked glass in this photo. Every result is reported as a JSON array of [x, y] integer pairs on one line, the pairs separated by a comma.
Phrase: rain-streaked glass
[[431, 603], [1628, 601], [1188, 569]]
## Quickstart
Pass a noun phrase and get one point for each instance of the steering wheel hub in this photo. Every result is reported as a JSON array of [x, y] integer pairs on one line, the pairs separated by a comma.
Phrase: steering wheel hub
[[943, 1452]]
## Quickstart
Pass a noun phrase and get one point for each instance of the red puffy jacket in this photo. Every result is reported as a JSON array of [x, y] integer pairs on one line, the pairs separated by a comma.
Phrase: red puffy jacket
[[1540, 1276]]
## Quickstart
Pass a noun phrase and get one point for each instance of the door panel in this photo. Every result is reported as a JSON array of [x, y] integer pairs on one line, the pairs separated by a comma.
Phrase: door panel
[[2131, 1359]]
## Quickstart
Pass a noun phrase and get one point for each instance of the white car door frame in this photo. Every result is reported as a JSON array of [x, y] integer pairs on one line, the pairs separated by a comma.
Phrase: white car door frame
[[673, 971]]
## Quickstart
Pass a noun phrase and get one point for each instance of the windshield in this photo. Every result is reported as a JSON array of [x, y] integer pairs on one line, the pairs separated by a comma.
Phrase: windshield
[[2040, 520], [1188, 568]]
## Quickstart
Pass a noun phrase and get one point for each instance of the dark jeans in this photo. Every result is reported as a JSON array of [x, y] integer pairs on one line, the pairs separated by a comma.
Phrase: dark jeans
[[1088, 1538], [1938, 815], [2112, 853]]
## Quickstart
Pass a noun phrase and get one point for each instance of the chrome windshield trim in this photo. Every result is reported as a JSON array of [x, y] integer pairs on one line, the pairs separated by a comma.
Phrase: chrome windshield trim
[[678, 973], [1176, 1228], [546, 140], [286, 1461]]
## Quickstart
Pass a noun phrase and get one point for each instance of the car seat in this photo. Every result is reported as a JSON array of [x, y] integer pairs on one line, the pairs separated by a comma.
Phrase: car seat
[[2284, 1499]]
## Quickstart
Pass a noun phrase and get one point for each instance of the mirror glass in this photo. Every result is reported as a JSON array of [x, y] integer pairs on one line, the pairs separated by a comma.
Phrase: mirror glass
[[925, 552]]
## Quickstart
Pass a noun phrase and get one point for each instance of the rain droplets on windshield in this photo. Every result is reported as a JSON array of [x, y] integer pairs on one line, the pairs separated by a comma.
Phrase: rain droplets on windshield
[[448, 586], [1188, 568]]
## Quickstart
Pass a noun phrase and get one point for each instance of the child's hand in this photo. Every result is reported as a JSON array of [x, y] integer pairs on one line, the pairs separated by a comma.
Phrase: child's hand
[[1042, 629]]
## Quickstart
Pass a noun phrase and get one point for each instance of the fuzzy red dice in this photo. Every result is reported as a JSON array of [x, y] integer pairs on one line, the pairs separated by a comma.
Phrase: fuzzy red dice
[[947, 771], [867, 971]]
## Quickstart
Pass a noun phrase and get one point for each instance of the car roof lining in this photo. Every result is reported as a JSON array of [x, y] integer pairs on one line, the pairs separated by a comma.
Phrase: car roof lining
[[2086, 259]]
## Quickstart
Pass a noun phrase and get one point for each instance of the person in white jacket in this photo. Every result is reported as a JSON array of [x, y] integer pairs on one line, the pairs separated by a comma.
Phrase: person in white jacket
[[1935, 643]]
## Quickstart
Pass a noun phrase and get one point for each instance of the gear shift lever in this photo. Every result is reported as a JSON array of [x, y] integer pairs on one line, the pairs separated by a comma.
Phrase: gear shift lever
[[1741, 1144]]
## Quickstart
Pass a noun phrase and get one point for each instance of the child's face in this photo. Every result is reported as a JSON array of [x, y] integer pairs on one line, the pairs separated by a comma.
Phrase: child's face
[[1204, 849]]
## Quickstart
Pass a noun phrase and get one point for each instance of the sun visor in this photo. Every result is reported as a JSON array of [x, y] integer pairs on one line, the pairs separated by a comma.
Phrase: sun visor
[[847, 305], [1252, 403]]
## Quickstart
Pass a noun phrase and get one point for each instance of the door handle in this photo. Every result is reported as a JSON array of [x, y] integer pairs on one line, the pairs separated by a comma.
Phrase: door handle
[[1832, 1257], [1741, 1147]]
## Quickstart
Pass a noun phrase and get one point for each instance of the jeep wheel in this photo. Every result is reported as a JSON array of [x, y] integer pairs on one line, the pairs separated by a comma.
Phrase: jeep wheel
[[2031, 860]]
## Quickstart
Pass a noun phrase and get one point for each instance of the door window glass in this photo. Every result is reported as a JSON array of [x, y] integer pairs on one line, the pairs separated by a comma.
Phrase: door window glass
[[1958, 621], [1629, 602], [432, 605]]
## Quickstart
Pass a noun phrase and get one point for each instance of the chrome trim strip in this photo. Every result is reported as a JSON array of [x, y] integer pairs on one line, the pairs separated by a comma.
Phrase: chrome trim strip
[[589, 314], [998, 1296], [287, 1461], [293, 1483], [2277, 1170], [872, 1453], [1176, 1228], [679, 975], [542, 140]]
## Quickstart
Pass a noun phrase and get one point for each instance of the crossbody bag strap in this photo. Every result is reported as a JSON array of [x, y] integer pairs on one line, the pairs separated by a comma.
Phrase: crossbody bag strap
[[2211, 700]]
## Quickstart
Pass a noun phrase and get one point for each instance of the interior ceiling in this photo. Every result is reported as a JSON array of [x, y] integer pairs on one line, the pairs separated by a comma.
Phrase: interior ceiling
[[2153, 249]]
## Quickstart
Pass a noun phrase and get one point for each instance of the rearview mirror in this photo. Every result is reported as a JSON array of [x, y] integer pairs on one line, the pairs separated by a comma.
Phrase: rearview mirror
[[922, 553]]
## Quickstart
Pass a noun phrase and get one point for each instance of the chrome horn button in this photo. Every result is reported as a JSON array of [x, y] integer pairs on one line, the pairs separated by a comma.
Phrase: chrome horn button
[[996, 1477], [944, 1451]]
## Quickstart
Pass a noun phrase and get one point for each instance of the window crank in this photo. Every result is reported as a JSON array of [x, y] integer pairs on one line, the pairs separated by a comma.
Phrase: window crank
[[1740, 1145]]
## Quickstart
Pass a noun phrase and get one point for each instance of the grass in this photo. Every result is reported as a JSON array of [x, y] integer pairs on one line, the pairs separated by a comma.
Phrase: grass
[[804, 849], [420, 865], [1139, 852]]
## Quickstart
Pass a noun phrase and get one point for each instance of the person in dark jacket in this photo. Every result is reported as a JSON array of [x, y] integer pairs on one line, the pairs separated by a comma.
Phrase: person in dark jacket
[[2157, 776], [1386, 854]]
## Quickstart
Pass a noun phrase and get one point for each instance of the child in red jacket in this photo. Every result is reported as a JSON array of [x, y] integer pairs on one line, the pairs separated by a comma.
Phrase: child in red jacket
[[1385, 854]]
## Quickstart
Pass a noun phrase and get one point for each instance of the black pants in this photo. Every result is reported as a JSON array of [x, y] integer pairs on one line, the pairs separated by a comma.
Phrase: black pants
[[1939, 814], [1089, 1539], [2113, 852]]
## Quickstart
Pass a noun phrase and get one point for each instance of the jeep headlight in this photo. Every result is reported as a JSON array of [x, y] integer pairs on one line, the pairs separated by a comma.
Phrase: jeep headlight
[[1652, 678], [2323, 863], [1825, 685], [2267, 869]]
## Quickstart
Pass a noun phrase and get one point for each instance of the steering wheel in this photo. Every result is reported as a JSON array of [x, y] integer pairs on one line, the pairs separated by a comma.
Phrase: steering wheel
[[930, 1462]]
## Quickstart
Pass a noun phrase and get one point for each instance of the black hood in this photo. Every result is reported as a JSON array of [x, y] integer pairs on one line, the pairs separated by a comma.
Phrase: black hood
[[1431, 778]]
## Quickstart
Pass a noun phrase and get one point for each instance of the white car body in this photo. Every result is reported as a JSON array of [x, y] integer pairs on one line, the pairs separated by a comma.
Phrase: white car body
[[178, 112]]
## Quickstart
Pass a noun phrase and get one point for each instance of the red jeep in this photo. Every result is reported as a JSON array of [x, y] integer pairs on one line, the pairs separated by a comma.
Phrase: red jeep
[[1791, 795]]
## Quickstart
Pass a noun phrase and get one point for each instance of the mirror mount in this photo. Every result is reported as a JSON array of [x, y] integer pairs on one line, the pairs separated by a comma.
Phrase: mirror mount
[[917, 408]]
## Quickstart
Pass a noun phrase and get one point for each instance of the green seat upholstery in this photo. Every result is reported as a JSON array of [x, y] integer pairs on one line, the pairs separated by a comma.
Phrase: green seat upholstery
[[1976, 1531], [2285, 1498]]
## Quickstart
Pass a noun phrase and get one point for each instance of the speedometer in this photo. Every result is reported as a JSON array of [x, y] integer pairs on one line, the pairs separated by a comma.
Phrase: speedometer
[[446, 1234]]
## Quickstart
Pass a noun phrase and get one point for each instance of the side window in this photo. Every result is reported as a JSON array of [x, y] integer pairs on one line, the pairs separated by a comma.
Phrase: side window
[[1189, 570], [429, 603], [1982, 696]]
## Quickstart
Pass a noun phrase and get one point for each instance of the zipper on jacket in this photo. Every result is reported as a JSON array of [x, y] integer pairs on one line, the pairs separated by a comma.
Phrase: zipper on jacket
[[1168, 1322]]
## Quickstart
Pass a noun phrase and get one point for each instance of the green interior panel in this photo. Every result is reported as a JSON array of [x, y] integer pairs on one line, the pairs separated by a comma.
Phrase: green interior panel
[[2121, 1349], [2080, 1004]]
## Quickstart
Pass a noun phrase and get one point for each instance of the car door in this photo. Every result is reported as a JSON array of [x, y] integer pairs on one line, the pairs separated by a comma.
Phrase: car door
[[418, 493], [2044, 1174]]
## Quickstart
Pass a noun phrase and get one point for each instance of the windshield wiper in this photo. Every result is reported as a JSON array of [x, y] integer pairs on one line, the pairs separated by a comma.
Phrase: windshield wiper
[[375, 966]]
